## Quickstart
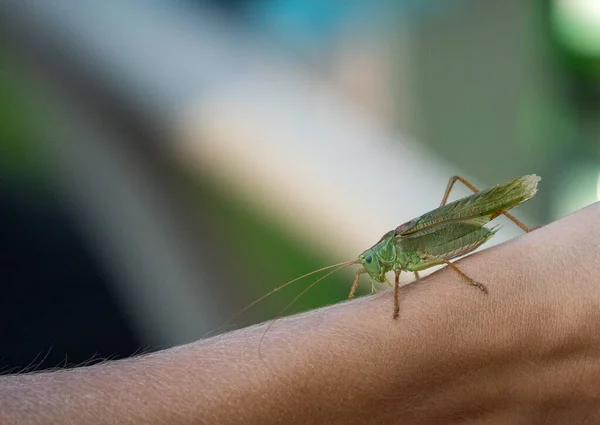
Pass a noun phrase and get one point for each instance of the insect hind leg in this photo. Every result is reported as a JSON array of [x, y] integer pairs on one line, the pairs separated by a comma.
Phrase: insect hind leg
[[453, 181], [467, 278]]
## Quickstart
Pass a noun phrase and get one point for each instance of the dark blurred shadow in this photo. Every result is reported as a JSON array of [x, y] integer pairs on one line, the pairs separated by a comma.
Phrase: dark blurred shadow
[[54, 297]]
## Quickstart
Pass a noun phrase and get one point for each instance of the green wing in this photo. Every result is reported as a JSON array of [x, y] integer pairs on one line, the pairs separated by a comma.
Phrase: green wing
[[447, 242], [476, 210]]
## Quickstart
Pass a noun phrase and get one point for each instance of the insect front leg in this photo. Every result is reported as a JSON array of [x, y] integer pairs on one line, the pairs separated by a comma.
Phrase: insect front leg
[[450, 185], [355, 284], [468, 279]]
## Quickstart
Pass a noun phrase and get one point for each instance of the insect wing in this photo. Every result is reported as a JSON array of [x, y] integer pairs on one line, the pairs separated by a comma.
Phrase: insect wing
[[477, 209], [446, 241]]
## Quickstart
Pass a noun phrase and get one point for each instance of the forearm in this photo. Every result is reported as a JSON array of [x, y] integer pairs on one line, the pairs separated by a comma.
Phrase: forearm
[[454, 352], [326, 366]]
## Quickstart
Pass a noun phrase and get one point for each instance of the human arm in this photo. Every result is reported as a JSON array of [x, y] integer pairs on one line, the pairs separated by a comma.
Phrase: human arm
[[527, 352]]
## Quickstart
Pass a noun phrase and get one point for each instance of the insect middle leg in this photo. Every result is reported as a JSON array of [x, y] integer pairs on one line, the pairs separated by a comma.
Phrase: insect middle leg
[[397, 290], [454, 179]]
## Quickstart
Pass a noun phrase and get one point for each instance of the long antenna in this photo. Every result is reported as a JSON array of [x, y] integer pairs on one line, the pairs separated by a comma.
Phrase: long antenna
[[339, 266], [344, 264]]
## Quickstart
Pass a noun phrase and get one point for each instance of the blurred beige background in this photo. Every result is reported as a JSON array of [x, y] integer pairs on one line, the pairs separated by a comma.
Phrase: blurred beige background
[[206, 152]]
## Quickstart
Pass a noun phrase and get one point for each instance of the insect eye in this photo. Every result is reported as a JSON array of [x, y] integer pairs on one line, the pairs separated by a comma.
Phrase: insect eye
[[368, 258]]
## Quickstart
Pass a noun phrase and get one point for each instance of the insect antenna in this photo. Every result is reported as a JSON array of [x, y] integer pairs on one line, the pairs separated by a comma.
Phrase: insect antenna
[[256, 301], [339, 267]]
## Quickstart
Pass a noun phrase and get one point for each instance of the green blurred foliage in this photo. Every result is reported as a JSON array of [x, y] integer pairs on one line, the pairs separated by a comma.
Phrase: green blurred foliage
[[264, 257], [21, 153], [261, 254]]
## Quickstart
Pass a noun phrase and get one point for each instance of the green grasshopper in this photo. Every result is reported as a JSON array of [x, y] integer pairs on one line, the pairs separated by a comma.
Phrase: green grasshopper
[[448, 232], [445, 233]]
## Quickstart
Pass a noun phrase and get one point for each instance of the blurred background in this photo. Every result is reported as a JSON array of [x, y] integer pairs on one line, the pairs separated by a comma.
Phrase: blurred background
[[164, 163]]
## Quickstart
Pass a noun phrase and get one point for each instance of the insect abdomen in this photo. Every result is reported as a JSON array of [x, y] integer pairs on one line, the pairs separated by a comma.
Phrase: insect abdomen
[[442, 247], [461, 245]]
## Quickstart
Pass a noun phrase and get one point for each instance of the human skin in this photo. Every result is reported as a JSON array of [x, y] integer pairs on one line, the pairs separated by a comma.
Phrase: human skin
[[527, 352]]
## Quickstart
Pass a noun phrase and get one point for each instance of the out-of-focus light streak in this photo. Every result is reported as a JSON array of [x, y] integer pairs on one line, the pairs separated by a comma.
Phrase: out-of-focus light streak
[[577, 24]]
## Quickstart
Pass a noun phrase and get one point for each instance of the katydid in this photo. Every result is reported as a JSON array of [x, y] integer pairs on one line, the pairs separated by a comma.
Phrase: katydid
[[449, 231], [445, 233]]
